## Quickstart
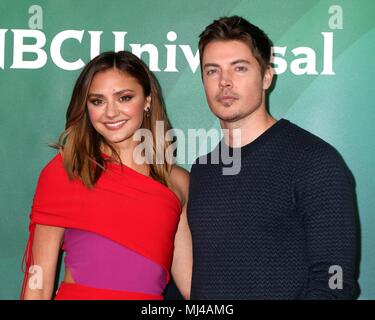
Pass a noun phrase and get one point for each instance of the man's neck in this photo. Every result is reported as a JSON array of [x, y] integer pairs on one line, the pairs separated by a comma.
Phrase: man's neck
[[246, 130]]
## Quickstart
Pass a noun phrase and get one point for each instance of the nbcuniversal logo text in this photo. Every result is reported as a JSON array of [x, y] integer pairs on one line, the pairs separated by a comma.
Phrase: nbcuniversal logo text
[[34, 44], [38, 49]]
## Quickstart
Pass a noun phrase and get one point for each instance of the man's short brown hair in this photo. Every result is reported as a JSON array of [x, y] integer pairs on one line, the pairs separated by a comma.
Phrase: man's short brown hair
[[238, 28]]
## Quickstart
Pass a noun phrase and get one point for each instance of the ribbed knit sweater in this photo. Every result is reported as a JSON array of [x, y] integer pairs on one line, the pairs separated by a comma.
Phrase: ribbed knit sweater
[[277, 229]]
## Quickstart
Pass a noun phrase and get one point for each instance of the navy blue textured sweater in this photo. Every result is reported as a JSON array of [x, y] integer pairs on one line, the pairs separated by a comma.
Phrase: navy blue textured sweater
[[276, 229]]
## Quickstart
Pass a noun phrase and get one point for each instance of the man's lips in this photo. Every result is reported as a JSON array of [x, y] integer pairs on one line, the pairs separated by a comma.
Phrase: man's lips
[[225, 96], [227, 99]]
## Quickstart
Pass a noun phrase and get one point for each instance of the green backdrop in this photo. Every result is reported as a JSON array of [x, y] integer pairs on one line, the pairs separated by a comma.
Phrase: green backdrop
[[323, 54]]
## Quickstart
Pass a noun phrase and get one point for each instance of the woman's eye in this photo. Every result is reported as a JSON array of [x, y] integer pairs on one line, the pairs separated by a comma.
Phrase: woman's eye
[[96, 102], [125, 98]]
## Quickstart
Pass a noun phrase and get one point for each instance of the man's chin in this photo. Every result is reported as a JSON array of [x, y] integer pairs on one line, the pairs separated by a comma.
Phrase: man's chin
[[228, 118]]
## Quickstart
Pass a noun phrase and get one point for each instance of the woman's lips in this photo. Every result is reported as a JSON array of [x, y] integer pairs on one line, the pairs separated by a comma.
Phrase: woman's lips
[[115, 125]]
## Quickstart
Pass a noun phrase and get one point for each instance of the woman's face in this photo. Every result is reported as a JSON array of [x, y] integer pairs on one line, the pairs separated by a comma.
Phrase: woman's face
[[115, 105]]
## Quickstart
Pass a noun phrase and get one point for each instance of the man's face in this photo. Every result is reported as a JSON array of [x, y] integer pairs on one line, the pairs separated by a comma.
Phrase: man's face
[[232, 80]]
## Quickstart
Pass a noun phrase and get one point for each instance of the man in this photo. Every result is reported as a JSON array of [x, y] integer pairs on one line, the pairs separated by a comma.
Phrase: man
[[284, 226]]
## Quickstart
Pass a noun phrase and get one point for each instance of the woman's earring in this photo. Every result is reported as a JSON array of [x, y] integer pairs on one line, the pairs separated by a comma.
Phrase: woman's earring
[[148, 112]]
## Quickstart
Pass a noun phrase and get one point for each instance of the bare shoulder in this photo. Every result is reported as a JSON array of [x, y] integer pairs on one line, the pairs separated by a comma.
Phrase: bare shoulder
[[179, 182], [180, 175]]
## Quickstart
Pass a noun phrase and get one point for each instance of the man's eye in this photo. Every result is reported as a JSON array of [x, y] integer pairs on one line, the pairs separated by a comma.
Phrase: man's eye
[[210, 72], [241, 69], [125, 98]]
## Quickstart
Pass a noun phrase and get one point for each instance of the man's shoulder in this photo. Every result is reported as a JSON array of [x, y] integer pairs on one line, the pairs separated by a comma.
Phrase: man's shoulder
[[300, 136], [304, 141], [315, 153], [207, 160]]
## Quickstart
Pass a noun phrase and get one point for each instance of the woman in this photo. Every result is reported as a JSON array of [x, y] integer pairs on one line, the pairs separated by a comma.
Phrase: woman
[[121, 221]]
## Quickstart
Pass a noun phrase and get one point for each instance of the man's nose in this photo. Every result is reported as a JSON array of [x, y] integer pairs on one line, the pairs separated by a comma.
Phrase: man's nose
[[225, 81]]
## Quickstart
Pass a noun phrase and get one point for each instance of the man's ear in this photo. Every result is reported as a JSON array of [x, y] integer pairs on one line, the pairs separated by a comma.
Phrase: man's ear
[[267, 78]]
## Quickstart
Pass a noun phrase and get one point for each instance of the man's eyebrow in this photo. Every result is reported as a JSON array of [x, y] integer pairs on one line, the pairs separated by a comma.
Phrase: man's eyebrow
[[240, 61], [210, 65], [215, 65]]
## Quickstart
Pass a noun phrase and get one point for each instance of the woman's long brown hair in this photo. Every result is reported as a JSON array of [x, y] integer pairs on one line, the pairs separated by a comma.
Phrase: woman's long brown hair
[[80, 144]]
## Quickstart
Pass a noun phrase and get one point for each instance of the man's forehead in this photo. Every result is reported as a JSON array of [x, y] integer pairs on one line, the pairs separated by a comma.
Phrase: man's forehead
[[227, 57], [231, 49]]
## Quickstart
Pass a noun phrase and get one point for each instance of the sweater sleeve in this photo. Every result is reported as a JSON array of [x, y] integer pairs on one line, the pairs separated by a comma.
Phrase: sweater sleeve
[[324, 195]]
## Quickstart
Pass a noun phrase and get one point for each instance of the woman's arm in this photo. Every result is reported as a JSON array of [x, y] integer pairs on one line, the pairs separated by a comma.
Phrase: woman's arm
[[182, 256], [45, 252]]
